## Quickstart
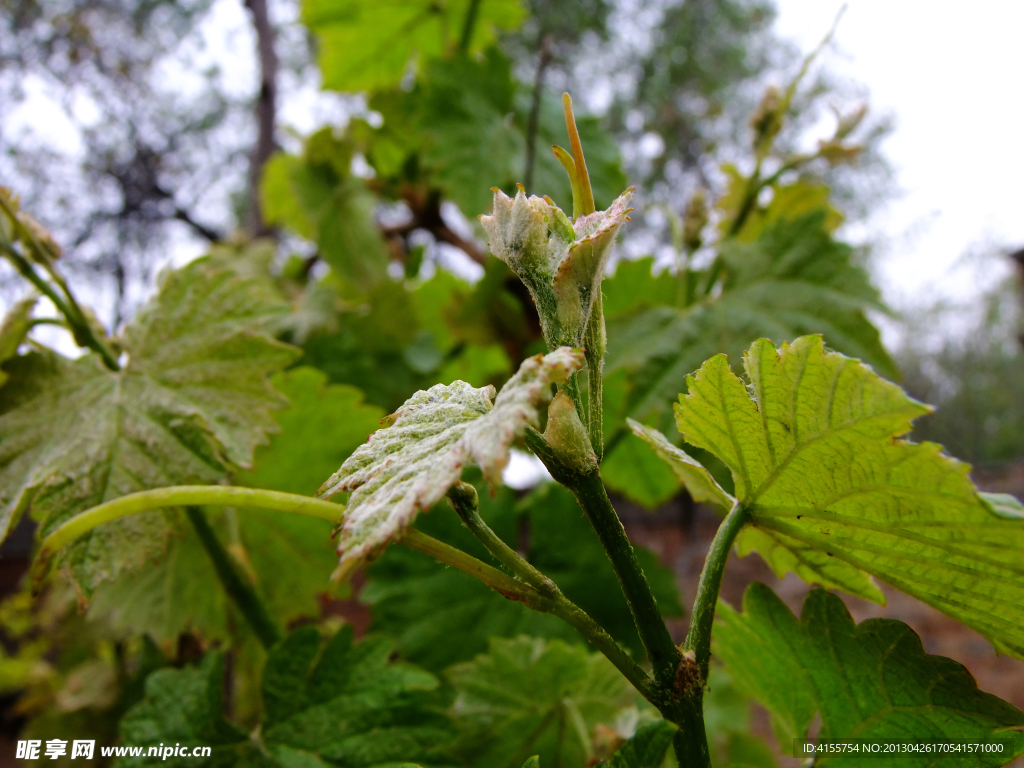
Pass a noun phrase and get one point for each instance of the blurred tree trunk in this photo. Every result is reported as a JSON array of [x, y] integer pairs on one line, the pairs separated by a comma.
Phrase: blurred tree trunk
[[266, 112]]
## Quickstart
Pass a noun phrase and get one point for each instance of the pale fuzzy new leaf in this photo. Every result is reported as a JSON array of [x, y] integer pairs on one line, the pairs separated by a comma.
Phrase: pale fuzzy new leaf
[[870, 681], [191, 400], [409, 465], [698, 481], [814, 451]]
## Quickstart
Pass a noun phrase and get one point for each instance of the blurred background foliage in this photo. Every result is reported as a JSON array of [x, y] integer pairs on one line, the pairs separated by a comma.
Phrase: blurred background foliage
[[339, 152]]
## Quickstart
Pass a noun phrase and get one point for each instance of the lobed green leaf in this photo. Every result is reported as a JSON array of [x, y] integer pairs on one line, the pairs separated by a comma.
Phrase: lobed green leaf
[[814, 450], [869, 681], [191, 401]]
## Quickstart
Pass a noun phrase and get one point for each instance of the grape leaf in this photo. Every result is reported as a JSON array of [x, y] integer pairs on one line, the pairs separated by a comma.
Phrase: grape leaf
[[698, 481], [191, 401], [348, 705], [795, 279], [867, 681], [185, 706], [782, 553], [368, 46], [528, 696], [288, 557], [814, 454], [317, 196], [422, 603], [647, 748], [409, 465], [338, 703]]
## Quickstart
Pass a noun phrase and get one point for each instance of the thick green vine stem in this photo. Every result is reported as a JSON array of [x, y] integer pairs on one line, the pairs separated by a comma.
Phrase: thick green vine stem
[[241, 592], [691, 743], [589, 490]]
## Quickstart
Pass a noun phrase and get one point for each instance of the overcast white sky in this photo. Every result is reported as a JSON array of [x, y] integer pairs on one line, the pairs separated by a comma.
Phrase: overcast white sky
[[952, 75]]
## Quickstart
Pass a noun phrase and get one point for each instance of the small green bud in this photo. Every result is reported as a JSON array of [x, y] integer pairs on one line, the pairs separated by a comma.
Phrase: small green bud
[[695, 218], [567, 436], [767, 120]]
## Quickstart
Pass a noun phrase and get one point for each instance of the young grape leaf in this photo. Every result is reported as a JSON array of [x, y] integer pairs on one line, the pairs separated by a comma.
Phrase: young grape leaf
[[288, 557], [698, 481], [647, 748], [528, 696], [364, 47], [561, 262], [813, 451], [782, 553], [191, 401], [868, 681], [338, 703], [410, 464], [347, 705], [422, 603], [185, 706]]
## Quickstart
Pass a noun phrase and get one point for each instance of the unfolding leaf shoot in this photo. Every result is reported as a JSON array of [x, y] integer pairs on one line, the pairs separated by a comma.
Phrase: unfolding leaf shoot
[[562, 264]]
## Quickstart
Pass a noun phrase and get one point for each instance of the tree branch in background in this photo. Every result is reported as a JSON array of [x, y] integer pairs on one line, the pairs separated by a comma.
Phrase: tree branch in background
[[266, 113]]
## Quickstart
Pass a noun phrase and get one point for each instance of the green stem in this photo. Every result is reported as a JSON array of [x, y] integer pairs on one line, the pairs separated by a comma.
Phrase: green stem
[[687, 711], [239, 590], [72, 313], [590, 493], [463, 498], [468, 24], [182, 495], [219, 495], [594, 352], [654, 634], [489, 575], [698, 638]]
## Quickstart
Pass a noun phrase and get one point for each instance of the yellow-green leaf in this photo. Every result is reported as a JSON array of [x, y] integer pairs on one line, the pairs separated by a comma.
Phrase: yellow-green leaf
[[815, 450]]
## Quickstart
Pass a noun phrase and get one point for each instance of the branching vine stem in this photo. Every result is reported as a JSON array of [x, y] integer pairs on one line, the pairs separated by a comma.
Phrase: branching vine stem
[[463, 498], [219, 495], [589, 490], [66, 303]]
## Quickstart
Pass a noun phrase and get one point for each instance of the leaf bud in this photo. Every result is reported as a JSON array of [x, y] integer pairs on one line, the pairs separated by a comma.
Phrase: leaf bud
[[695, 218], [567, 436], [561, 262]]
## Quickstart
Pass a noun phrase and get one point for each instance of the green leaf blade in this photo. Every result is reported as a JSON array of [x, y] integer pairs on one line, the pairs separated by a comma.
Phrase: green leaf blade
[[191, 401], [815, 454], [870, 681]]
